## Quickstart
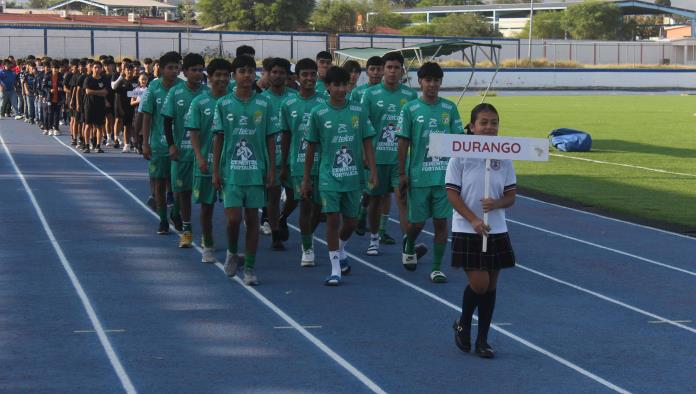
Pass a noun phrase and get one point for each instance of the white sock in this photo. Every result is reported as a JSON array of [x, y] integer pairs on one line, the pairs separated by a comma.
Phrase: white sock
[[342, 249], [374, 239], [335, 263]]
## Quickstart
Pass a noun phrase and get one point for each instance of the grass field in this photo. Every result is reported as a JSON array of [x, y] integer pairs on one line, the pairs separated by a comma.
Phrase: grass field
[[652, 131]]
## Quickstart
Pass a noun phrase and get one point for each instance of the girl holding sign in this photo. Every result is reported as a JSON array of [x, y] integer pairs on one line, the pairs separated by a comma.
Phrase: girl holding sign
[[465, 191]]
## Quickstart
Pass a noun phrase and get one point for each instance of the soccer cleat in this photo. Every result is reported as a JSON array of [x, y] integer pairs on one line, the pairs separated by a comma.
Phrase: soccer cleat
[[372, 250], [308, 258], [250, 278], [232, 262], [484, 350], [461, 337], [208, 255], [163, 228], [438, 277], [99, 150], [410, 261], [345, 267], [57, 132], [266, 228], [186, 239], [332, 280], [86, 150], [177, 222], [387, 239]]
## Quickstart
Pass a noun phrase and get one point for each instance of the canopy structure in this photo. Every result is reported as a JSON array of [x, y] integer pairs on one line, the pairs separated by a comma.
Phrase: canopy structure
[[428, 51]]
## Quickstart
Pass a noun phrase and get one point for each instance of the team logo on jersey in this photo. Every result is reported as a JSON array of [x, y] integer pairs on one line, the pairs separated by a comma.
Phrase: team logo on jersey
[[327, 124], [445, 118], [293, 114], [403, 101], [356, 121], [342, 128], [180, 103], [495, 164], [244, 158], [344, 157], [433, 123], [380, 103], [391, 108], [207, 112], [159, 101], [243, 120], [388, 135], [430, 159], [420, 119], [101, 85], [258, 117], [230, 117]]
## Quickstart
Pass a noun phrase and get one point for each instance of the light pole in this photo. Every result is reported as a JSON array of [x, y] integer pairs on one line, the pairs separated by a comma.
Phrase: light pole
[[531, 24]]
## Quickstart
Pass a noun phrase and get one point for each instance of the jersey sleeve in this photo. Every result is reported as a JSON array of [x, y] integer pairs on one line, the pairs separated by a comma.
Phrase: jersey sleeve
[[453, 176], [168, 105], [217, 120], [312, 133], [510, 177], [457, 126], [193, 118], [147, 105], [403, 127], [368, 131]]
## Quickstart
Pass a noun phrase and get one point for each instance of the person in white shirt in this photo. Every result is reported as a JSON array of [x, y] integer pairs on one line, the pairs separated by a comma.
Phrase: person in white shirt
[[465, 191]]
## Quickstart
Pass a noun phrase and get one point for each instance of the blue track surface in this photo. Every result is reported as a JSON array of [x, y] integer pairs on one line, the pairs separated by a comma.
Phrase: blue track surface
[[595, 304]]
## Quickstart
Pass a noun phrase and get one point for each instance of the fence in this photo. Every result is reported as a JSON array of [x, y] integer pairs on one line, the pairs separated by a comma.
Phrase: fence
[[21, 41]]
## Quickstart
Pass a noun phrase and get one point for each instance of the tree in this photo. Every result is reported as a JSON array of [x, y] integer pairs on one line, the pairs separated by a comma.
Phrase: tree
[[186, 12], [38, 3], [595, 20], [262, 15], [459, 25], [336, 16], [430, 3], [384, 16], [547, 24]]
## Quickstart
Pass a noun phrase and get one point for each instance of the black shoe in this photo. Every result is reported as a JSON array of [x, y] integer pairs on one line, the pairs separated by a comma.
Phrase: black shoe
[[73, 143], [484, 350], [99, 150], [284, 232], [86, 150], [461, 337], [176, 221], [151, 202], [421, 250], [163, 228], [116, 145]]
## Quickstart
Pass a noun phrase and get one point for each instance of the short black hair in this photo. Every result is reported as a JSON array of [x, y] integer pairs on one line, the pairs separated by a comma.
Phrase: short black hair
[[243, 61], [375, 61], [218, 64], [279, 62], [336, 74], [147, 60], [430, 70], [266, 63], [193, 59], [83, 63], [305, 64], [245, 50], [169, 57], [126, 60], [324, 55], [392, 56], [352, 66], [74, 62], [55, 64]]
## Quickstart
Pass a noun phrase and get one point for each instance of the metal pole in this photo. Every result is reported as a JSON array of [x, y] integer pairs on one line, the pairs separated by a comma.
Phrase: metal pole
[[531, 24]]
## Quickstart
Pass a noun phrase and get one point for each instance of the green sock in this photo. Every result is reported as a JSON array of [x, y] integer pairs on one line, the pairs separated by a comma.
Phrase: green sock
[[232, 247], [438, 252], [306, 241], [383, 224], [208, 241], [162, 212], [249, 259], [410, 245], [187, 226], [175, 209]]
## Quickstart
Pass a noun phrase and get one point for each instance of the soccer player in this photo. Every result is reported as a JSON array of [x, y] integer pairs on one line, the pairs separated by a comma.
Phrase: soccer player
[[199, 123], [324, 61], [421, 176], [95, 107], [294, 115], [174, 111], [243, 162], [155, 147], [340, 130], [383, 103], [354, 70], [277, 93], [123, 110]]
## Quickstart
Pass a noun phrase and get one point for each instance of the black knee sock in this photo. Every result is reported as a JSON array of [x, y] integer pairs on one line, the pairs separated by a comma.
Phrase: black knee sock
[[469, 303], [485, 314]]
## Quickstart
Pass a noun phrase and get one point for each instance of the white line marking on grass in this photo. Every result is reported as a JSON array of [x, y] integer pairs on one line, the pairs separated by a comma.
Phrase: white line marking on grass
[[622, 165], [609, 218], [314, 340], [673, 321], [86, 303], [496, 327], [290, 327], [596, 294]]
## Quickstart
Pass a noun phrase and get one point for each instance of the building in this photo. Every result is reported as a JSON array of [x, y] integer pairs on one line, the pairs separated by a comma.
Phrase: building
[[119, 7]]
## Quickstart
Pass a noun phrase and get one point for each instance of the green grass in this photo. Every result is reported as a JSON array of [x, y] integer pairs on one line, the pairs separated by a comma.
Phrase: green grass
[[654, 131]]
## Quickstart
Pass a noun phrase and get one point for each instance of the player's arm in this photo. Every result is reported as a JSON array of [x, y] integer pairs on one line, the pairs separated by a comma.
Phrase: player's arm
[[218, 140], [169, 135], [147, 120], [196, 145]]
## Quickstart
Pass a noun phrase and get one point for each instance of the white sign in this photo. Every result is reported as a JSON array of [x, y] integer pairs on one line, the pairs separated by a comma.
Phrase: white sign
[[486, 147]]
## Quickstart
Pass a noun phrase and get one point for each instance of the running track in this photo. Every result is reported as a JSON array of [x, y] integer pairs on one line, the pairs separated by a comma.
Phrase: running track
[[91, 300]]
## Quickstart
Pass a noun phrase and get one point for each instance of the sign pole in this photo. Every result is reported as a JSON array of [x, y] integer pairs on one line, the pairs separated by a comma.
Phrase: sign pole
[[486, 194]]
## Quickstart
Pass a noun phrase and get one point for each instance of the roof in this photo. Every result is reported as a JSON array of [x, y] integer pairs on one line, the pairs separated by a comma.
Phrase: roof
[[117, 3], [362, 53], [418, 51], [87, 20]]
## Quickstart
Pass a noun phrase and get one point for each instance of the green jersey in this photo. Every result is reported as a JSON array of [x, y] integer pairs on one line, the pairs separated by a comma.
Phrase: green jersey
[[357, 93], [321, 89], [245, 125], [152, 103], [176, 106], [200, 117], [383, 107], [276, 101], [418, 120], [294, 117], [340, 133]]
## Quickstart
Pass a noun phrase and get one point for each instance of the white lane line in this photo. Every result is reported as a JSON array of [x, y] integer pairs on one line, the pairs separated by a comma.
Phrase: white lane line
[[314, 340], [594, 293], [496, 327], [622, 165], [290, 327], [644, 259], [659, 230], [662, 322], [92, 331], [86, 303]]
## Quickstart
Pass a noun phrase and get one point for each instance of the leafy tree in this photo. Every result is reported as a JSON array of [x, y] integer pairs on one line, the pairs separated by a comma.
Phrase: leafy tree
[[595, 20], [547, 24], [186, 12], [38, 3], [459, 25], [384, 16], [430, 3], [335, 16], [262, 15]]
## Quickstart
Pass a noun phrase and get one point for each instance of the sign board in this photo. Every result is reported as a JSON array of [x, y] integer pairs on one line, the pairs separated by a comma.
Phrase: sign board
[[487, 147]]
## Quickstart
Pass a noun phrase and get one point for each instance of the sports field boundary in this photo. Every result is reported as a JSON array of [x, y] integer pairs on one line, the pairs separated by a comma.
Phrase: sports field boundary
[[621, 165]]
